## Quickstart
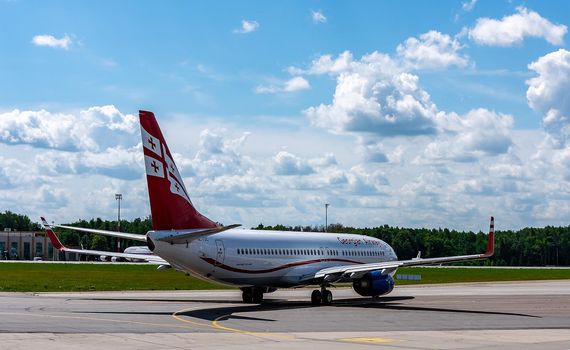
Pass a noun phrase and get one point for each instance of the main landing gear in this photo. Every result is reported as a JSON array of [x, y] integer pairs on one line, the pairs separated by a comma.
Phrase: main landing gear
[[252, 295], [321, 297]]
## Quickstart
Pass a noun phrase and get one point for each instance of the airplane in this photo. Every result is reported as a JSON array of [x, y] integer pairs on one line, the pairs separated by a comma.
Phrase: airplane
[[256, 261], [136, 249]]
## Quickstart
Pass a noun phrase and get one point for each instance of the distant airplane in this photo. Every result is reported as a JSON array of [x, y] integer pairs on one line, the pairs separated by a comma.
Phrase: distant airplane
[[136, 249], [257, 261]]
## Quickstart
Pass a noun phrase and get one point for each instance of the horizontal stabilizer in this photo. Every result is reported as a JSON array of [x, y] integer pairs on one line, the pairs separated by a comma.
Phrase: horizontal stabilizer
[[150, 258], [125, 235], [182, 236]]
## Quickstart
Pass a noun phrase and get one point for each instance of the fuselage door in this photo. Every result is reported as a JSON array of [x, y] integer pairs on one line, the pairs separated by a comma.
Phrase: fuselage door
[[220, 252]]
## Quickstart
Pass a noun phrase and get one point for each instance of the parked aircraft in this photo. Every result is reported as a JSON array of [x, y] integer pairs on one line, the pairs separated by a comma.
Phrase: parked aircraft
[[257, 261]]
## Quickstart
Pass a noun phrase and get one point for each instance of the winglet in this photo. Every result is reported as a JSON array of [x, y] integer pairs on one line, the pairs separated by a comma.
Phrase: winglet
[[52, 237], [491, 239]]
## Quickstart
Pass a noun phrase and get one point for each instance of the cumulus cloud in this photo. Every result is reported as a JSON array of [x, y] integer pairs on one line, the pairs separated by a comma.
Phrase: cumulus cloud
[[547, 93], [467, 138], [217, 155], [285, 163], [292, 85], [14, 173], [433, 50], [247, 26], [372, 97], [513, 29], [365, 183], [318, 17], [91, 129], [115, 162], [51, 41]]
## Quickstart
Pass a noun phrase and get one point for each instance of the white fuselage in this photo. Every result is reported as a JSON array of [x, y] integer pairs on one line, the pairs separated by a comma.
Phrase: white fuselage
[[269, 258]]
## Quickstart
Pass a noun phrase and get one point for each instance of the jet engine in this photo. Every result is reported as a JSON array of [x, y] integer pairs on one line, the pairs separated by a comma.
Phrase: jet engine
[[373, 284]]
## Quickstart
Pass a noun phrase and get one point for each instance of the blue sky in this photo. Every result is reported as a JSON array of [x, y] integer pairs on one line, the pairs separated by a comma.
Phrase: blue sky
[[409, 113]]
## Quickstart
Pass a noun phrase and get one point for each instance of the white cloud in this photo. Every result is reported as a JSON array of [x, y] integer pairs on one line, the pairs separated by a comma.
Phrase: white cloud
[[285, 163], [467, 138], [247, 26], [513, 29], [91, 129], [548, 94], [117, 162], [365, 183], [292, 85], [468, 5], [51, 41], [372, 97], [376, 63], [318, 17], [433, 50], [217, 155]]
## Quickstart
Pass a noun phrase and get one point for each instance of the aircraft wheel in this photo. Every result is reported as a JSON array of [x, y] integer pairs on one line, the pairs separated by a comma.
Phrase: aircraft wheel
[[257, 296], [316, 297], [247, 295], [327, 297]]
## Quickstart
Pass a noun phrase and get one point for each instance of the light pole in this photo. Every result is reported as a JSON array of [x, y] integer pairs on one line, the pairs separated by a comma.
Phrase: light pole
[[326, 216], [118, 197]]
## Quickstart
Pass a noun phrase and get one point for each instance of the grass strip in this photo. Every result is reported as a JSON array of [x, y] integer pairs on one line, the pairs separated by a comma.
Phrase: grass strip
[[454, 275], [45, 277]]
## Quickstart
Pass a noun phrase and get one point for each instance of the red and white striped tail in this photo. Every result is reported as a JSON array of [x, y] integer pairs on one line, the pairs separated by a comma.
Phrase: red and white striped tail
[[170, 204]]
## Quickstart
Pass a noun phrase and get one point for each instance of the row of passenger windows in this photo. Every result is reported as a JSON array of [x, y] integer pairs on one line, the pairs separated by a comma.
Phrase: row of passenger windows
[[329, 252]]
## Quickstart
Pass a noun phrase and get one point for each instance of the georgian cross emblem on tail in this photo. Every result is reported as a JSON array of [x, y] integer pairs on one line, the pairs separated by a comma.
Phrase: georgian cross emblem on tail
[[163, 166], [170, 203]]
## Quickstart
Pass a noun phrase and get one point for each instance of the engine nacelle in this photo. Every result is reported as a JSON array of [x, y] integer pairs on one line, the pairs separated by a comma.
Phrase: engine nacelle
[[373, 284]]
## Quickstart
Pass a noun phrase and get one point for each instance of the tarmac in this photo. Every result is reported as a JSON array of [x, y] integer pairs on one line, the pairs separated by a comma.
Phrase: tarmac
[[506, 315]]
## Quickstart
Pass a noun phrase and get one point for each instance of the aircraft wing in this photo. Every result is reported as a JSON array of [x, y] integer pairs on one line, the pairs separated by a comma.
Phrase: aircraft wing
[[150, 258], [125, 235], [337, 273]]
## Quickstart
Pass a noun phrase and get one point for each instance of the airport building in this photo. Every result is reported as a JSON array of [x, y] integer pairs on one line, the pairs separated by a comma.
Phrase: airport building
[[26, 245]]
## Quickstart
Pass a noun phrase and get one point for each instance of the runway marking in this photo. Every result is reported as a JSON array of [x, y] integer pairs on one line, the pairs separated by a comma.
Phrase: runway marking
[[93, 319], [215, 324], [369, 340], [185, 320]]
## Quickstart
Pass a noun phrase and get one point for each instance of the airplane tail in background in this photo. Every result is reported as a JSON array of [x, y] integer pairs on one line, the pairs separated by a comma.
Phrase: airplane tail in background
[[170, 204]]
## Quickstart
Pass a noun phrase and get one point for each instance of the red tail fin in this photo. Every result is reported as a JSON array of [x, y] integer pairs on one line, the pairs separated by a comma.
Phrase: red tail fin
[[170, 203], [52, 237]]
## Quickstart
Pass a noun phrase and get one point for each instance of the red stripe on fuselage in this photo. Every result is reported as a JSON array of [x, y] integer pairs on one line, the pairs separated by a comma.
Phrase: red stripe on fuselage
[[299, 263]]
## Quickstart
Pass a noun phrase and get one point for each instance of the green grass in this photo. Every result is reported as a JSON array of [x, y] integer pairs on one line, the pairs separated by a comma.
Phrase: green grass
[[454, 275], [44, 277]]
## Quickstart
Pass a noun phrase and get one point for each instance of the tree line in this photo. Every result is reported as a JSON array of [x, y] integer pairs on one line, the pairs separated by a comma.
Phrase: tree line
[[548, 246]]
